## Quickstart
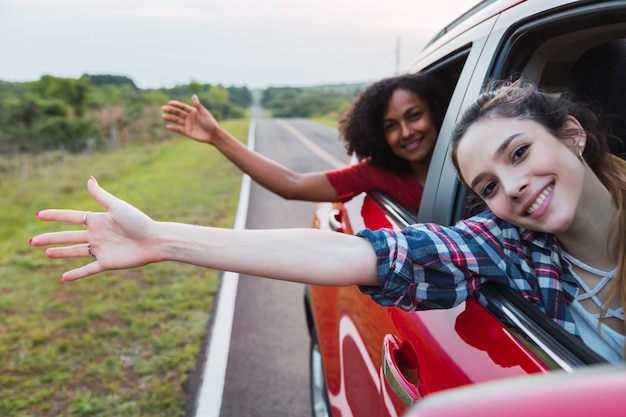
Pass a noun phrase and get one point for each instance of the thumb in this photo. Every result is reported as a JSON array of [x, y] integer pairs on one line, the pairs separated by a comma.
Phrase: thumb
[[196, 102], [100, 195]]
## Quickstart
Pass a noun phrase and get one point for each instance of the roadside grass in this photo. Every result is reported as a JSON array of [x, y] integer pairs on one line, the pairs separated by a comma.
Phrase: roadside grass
[[331, 120], [122, 343]]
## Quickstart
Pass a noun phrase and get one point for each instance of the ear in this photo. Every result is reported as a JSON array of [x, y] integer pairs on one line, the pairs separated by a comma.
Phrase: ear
[[576, 134]]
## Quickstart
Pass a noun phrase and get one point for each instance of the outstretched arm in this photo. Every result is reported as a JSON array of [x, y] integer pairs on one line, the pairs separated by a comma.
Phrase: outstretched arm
[[197, 123], [124, 237]]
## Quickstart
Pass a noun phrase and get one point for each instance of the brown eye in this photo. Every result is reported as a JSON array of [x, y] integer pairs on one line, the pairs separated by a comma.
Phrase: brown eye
[[415, 116], [488, 189], [520, 152]]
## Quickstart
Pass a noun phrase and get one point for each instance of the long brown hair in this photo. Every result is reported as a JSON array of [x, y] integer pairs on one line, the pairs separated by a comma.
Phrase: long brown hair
[[522, 100]]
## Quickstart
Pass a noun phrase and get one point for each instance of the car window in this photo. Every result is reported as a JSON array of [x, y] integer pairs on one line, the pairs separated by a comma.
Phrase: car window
[[583, 59], [447, 71]]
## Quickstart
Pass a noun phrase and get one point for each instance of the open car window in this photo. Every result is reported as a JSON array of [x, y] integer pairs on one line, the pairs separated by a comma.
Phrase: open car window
[[585, 60], [447, 71]]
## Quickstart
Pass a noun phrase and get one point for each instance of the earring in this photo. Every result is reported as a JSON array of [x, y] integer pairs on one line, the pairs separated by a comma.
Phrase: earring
[[581, 148]]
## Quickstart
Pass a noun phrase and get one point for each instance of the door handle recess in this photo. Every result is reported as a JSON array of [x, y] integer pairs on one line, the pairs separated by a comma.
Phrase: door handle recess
[[401, 369]]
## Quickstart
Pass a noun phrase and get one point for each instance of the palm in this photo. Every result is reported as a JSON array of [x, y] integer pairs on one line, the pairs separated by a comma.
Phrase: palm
[[123, 238], [194, 121], [200, 125]]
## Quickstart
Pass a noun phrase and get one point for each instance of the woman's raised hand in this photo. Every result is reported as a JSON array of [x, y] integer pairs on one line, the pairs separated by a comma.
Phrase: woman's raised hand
[[194, 121], [120, 238]]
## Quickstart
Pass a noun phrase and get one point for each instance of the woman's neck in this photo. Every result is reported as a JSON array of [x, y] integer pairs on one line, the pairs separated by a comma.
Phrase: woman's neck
[[587, 237], [419, 170]]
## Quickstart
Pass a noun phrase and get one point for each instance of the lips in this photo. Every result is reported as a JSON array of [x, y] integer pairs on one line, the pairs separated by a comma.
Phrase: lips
[[412, 145], [540, 199]]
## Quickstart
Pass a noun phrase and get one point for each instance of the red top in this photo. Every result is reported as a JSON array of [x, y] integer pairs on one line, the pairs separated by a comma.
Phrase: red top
[[361, 177]]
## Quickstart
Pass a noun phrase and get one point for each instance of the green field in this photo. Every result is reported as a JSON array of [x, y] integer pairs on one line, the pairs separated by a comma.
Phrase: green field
[[120, 343]]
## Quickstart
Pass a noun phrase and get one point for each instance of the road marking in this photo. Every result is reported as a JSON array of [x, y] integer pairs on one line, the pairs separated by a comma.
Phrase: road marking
[[334, 162], [214, 374], [213, 377]]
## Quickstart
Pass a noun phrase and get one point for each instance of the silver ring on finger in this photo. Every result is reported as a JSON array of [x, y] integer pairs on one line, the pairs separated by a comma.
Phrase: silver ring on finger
[[85, 218], [90, 251]]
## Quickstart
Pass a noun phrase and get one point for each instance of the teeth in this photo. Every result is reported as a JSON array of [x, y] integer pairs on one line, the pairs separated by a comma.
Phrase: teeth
[[542, 197], [415, 142]]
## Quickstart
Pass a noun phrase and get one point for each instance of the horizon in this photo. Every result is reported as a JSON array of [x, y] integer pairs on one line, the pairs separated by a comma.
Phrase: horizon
[[258, 44]]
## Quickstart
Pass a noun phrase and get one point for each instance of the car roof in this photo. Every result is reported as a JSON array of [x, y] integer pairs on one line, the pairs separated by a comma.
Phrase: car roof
[[477, 14]]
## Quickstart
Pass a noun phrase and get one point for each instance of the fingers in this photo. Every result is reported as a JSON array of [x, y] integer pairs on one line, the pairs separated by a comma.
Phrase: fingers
[[82, 272], [175, 128], [63, 216], [176, 117], [60, 238], [178, 108], [176, 113], [179, 104], [75, 251], [98, 194]]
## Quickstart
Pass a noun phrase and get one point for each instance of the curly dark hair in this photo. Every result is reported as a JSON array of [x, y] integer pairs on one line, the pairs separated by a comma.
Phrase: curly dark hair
[[362, 127]]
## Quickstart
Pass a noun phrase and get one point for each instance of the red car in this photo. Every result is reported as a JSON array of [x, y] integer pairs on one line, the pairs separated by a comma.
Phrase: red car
[[368, 360], [596, 391]]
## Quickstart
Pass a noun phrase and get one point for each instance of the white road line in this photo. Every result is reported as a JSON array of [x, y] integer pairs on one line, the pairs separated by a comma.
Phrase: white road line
[[334, 162], [212, 384]]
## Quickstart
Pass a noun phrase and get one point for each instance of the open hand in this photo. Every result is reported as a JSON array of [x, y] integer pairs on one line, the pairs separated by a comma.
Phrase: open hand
[[194, 121], [120, 238]]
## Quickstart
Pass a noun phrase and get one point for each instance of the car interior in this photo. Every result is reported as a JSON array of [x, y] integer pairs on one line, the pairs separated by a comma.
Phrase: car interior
[[597, 78]]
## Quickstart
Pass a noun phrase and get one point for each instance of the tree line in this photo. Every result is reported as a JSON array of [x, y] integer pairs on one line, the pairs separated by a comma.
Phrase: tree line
[[95, 111], [309, 101], [107, 111]]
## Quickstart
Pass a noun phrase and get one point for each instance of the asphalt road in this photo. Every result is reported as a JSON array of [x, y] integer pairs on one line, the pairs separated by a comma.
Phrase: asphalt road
[[267, 372]]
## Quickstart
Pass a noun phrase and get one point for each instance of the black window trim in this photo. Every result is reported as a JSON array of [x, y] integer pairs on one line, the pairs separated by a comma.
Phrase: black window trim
[[550, 343], [400, 215]]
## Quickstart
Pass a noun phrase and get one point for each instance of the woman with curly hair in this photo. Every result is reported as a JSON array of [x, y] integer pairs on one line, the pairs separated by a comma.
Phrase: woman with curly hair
[[391, 127]]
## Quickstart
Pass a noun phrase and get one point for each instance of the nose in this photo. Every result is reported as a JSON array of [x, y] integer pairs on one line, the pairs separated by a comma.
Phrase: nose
[[406, 131], [514, 187]]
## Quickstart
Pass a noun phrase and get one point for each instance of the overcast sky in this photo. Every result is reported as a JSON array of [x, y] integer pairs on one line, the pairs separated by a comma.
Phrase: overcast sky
[[256, 43]]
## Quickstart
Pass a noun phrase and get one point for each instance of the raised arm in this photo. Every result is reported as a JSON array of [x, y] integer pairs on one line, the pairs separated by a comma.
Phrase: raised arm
[[123, 237], [199, 124]]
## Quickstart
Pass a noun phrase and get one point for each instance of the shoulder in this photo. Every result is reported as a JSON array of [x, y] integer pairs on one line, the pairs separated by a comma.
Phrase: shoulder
[[512, 237]]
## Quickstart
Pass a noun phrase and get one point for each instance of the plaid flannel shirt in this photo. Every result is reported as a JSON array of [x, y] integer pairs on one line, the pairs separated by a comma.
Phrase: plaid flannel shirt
[[428, 266]]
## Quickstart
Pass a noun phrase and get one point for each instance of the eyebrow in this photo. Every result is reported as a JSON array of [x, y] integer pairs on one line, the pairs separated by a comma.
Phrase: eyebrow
[[505, 143]]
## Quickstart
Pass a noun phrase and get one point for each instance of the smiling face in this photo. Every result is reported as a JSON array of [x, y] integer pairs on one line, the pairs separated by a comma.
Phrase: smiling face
[[409, 127], [524, 174]]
